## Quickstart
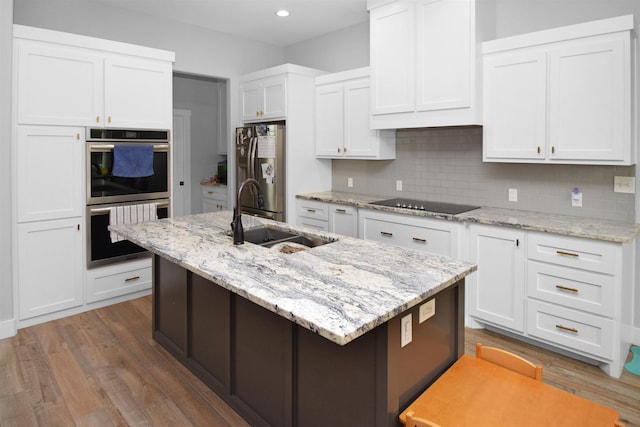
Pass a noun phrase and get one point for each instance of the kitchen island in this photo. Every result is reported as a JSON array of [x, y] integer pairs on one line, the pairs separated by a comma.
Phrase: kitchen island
[[310, 338]]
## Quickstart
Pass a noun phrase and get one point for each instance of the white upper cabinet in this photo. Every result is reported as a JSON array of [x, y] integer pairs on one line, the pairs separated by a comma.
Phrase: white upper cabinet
[[264, 99], [561, 96], [70, 80], [137, 93], [342, 119], [424, 61]]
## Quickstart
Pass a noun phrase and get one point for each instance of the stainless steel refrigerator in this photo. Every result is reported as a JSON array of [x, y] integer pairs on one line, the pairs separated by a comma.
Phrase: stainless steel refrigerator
[[260, 151]]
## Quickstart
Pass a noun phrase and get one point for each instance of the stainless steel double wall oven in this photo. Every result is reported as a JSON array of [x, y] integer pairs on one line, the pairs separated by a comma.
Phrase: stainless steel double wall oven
[[105, 190]]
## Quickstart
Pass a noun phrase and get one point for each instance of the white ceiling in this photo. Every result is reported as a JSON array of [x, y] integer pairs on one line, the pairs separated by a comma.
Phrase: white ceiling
[[256, 19]]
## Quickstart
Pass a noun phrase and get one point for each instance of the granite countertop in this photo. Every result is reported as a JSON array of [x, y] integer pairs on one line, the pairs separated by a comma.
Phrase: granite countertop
[[340, 290], [567, 225]]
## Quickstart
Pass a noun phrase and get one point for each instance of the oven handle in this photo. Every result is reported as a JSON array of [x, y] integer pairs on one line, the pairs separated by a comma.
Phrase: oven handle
[[106, 209], [109, 147]]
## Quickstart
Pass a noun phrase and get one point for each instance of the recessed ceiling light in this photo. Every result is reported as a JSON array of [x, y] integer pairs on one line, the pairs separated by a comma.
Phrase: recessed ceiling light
[[282, 13]]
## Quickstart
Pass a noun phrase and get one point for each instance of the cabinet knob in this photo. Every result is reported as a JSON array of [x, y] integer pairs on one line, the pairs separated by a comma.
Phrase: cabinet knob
[[77, 136], [97, 119], [257, 113], [344, 149], [338, 149], [538, 149], [553, 149], [109, 119]]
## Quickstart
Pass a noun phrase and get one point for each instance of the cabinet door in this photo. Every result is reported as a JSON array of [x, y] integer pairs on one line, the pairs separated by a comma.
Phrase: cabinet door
[[58, 85], [392, 29], [274, 98], [50, 266], [50, 172], [445, 54], [343, 220], [496, 291], [329, 120], [589, 101], [515, 106], [359, 139], [138, 93], [250, 101]]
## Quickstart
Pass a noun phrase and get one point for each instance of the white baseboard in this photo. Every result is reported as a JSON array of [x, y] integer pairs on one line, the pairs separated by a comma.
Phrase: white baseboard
[[635, 336], [8, 328]]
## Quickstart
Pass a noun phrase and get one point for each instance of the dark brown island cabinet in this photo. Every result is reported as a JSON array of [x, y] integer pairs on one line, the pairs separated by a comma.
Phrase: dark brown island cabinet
[[274, 372]]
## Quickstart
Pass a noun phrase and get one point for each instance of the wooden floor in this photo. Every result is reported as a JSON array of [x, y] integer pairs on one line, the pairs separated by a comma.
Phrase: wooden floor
[[102, 368]]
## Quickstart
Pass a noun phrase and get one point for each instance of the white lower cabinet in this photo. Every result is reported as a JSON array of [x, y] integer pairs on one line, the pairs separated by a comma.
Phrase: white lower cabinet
[[335, 218], [572, 293], [411, 232], [343, 220], [50, 265], [495, 293], [118, 279], [214, 198]]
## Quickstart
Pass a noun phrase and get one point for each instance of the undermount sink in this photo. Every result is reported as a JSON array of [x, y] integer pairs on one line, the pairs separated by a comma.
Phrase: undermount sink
[[269, 236]]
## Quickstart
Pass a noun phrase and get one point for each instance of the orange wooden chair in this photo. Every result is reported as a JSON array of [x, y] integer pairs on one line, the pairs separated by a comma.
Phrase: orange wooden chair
[[509, 360], [418, 422]]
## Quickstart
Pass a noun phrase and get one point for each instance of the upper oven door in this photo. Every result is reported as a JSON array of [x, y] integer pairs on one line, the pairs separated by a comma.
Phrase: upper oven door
[[104, 187]]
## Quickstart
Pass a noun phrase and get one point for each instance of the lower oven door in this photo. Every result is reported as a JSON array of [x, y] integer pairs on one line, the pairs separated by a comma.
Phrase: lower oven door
[[100, 249]]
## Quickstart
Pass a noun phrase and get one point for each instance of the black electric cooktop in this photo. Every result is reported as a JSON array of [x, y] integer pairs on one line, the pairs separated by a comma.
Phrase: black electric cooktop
[[425, 205]]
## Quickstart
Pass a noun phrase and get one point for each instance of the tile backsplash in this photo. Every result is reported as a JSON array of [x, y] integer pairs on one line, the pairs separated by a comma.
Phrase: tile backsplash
[[445, 164]]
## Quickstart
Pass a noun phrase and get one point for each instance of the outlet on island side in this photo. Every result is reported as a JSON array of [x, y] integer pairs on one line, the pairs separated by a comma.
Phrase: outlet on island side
[[350, 182], [513, 194], [405, 330], [399, 185]]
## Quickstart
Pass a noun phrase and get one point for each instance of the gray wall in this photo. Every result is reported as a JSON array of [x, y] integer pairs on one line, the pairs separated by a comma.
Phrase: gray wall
[[445, 164], [337, 51], [200, 96], [6, 288]]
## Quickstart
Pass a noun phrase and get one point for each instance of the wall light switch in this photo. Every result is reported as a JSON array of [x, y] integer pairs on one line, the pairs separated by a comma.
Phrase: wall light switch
[[350, 182], [624, 184], [399, 185], [513, 194], [405, 330], [427, 310]]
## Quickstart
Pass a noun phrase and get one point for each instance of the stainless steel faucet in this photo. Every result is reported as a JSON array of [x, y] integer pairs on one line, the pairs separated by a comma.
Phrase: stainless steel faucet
[[236, 224]]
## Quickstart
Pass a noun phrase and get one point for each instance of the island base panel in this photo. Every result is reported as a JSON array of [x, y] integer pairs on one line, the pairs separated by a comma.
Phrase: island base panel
[[276, 373]]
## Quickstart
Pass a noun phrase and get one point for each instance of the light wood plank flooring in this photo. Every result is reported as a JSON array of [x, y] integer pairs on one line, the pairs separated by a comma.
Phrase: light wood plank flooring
[[102, 368]]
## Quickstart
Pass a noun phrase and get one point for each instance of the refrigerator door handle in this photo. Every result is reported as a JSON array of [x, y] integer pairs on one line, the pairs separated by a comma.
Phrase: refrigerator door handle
[[254, 148]]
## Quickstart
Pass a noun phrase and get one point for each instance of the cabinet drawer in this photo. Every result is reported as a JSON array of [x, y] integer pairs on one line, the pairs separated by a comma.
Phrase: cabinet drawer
[[313, 209], [574, 252], [318, 224], [570, 328], [120, 279], [215, 193], [424, 238], [572, 288]]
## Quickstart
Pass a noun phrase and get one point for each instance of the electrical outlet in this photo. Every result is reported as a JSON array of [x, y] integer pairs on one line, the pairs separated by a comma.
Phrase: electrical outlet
[[624, 184], [405, 330], [576, 198], [399, 185], [427, 310], [350, 182], [513, 194]]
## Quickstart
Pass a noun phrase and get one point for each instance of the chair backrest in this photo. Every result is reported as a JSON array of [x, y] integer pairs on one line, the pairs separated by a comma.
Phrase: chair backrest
[[413, 421], [509, 360]]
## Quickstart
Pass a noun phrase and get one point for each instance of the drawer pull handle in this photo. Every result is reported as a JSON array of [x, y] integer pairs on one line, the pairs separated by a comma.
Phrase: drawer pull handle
[[311, 210], [131, 279], [209, 192], [341, 211], [419, 240], [567, 328], [565, 288], [567, 253], [386, 234]]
